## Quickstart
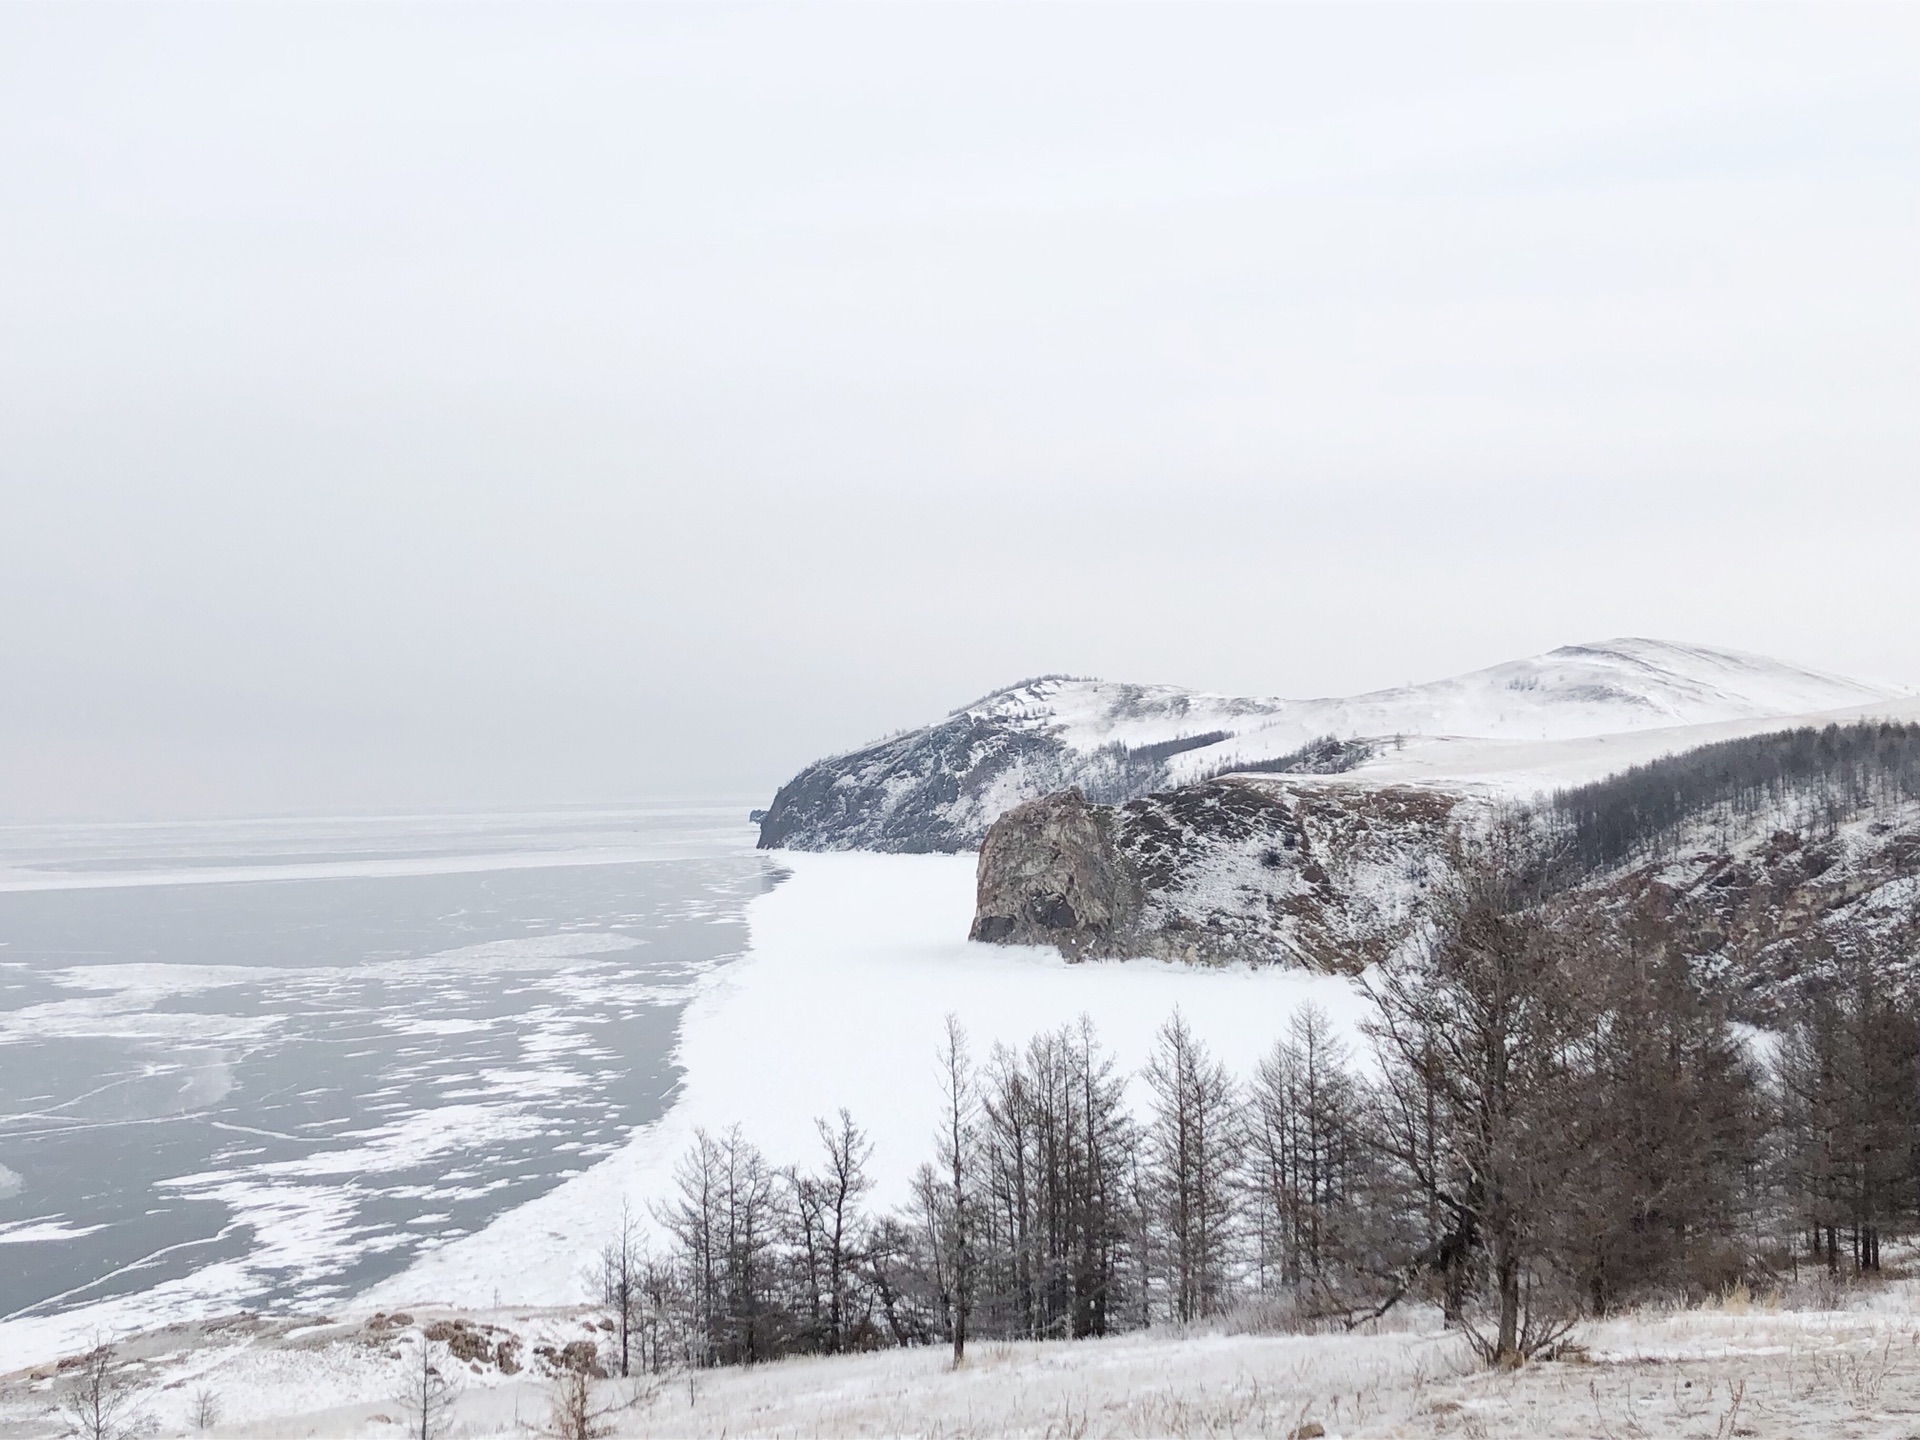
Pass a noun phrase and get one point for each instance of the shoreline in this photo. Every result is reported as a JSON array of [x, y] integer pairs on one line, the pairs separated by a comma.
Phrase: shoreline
[[852, 962]]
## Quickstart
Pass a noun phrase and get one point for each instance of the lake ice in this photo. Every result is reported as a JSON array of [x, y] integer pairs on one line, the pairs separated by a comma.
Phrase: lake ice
[[270, 1063]]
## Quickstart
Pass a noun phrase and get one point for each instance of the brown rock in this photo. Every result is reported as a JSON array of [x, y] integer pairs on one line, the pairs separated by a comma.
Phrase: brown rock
[[461, 1339]]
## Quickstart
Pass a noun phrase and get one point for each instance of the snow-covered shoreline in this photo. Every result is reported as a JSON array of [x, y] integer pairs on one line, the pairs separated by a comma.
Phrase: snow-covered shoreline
[[852, 963]]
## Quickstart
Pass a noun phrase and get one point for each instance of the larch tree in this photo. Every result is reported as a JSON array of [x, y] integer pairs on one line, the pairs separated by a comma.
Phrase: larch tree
[[1193, 1144], [956, 1140]]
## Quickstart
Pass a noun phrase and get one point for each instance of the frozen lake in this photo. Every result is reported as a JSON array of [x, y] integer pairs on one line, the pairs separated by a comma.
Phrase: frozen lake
[[249, 1064]]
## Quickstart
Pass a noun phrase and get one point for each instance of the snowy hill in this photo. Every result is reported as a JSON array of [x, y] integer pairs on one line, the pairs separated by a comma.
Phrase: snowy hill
[[938, 788], [1573, 692]]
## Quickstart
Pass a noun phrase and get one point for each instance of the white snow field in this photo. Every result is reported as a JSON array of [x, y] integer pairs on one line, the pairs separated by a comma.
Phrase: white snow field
[[1737, 1369], [1524, 769], [1611, 687]]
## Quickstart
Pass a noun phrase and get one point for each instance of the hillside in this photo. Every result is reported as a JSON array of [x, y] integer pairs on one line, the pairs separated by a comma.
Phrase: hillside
[[940, 787], [1768, 860]]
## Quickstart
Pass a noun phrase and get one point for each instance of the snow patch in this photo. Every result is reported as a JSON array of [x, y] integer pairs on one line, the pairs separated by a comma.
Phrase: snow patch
[[28, 1232]]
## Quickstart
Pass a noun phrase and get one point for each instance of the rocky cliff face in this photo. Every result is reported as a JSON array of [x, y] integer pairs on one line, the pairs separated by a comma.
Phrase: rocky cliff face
[[1333, 876], [934, 790], [939, 788], [1777, 913], [1269, 870]]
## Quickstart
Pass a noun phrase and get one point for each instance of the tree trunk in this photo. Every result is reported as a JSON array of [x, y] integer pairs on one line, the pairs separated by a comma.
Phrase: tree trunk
[[1506, 1268]]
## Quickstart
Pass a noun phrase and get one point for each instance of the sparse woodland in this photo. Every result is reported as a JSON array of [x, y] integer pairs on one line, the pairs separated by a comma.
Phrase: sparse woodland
[[1548, 1126], [1555, 1118]]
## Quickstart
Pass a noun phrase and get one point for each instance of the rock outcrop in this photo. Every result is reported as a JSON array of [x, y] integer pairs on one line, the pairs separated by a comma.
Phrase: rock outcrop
[[1262, 869], [1052, 872]]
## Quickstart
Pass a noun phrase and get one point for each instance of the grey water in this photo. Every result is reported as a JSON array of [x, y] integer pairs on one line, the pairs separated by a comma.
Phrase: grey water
[[272, 1062]]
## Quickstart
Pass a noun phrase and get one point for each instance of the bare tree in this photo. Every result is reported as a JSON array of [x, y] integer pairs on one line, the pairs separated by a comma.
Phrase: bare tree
[[1193, 1143], [205, 1411], [1306, 1168], [749, 1229], [622, 1267], [902, 1274], [693, 1219], [838, 1189], [1847, 1070], [572, 1413], [724, 1223], [956, 1144], [427, 1390], [95, 1396], [1055, 1140], [1671, 1137]]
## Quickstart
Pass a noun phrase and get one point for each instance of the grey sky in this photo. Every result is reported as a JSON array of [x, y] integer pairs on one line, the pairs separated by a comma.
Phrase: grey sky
[[447, 406]]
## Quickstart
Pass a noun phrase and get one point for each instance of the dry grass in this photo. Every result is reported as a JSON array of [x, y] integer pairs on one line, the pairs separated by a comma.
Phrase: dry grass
[[1741, 1365]]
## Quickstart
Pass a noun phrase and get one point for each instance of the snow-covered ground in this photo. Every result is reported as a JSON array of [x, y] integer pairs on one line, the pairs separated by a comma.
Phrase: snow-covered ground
[[1522, 768], [853, 963], [1735, 1370]]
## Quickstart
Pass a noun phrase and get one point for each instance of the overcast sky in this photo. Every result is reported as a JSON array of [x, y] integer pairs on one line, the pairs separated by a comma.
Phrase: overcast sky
[[450, 406]]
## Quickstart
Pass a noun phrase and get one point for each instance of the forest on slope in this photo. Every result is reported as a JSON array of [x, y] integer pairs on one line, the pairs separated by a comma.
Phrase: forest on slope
[[1803, 779]]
